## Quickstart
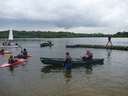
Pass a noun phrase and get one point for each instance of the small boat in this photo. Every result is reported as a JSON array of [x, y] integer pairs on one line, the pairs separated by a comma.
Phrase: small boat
[[5, 52], [10, 43], [17, 62], [46, 43], [12, 46], [21, 57], [75, 61]]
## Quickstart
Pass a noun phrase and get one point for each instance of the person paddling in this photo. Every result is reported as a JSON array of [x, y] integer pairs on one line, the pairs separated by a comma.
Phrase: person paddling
[[88, 55], [68, 61], [20, 55], [2, 51], [25, 53], [11, 60]]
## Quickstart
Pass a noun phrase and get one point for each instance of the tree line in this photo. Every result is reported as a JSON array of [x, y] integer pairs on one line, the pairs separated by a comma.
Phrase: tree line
[[60, 34]]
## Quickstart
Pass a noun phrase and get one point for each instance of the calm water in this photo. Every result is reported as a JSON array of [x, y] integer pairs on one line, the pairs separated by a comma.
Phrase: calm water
[[36, 79]]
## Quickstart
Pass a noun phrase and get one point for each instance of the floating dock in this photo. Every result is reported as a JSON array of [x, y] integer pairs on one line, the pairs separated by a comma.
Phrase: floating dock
[[15, 46], [98, 47]]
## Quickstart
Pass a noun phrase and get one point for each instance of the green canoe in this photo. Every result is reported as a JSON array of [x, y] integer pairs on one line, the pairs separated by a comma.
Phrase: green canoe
[[75, 61]]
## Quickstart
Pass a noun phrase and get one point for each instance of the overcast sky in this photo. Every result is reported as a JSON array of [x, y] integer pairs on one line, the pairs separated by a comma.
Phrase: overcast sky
[[89, 16]]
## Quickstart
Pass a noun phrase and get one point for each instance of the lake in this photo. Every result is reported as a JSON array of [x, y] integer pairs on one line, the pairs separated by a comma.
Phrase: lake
[[36, 79]]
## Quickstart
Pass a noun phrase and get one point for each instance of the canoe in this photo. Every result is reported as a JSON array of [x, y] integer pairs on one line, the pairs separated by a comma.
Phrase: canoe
[[17, 62], [75, 61], [46, 43]]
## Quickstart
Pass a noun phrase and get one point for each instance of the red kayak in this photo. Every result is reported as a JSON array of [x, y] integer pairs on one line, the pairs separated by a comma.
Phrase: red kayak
[[29, 55], [17, 62], [5, 52], [18, 56]]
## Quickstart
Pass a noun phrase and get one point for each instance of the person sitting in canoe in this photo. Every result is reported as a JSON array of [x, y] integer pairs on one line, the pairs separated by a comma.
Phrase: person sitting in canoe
[[88, 55], [68, 61], [2, 51], [11, 60]]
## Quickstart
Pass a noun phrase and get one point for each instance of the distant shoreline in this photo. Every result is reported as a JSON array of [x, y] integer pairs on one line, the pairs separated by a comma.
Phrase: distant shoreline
[[60, 34]]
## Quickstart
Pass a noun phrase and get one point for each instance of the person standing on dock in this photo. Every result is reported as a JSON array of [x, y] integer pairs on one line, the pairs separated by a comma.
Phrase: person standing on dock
[[109, 41]]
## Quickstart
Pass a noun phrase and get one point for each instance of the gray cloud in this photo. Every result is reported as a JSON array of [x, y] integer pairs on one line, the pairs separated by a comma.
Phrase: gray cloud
[[72, 14]]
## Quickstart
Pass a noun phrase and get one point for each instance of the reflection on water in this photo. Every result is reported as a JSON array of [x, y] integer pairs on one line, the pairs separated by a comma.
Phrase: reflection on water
[[11, 69], [109, 51], [68, 75], [109, 57], [67, 72], [88, 68], [48, 69]]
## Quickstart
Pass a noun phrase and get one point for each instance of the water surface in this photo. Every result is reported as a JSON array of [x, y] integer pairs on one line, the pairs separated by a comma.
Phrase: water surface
[[36, 79]]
